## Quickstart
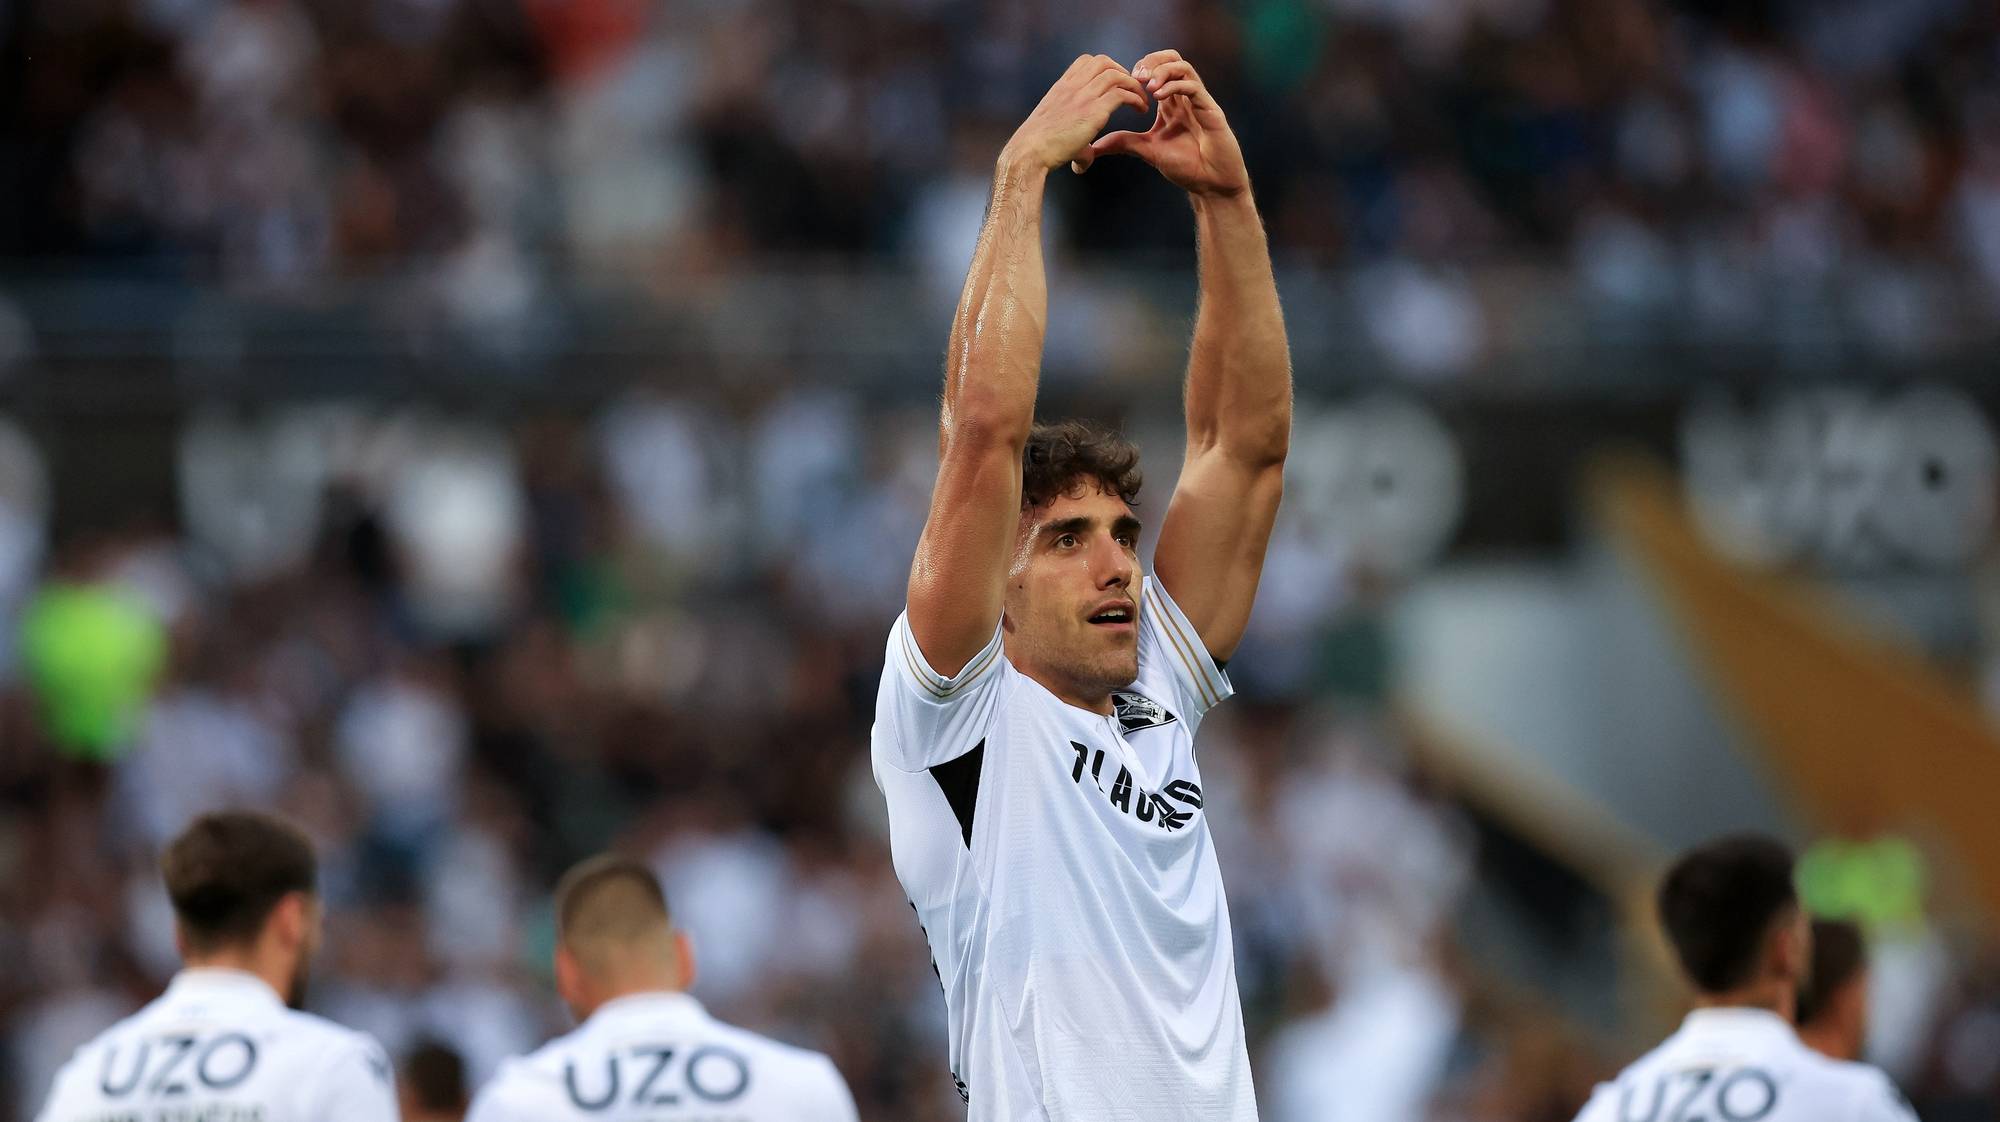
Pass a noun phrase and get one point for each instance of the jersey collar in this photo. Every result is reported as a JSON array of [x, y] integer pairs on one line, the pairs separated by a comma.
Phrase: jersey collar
[[1738, 1020], [223, 981], [652, 1005]]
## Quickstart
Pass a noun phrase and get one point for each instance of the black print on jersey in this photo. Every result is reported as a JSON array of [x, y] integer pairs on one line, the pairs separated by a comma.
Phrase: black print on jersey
[[959, 780], [219, 1064], [714, 1074], [1746, 1095], [1136, 712], [1146, 806]]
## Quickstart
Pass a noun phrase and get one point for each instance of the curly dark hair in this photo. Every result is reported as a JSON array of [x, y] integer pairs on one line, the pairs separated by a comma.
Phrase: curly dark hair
[[1063, 455]]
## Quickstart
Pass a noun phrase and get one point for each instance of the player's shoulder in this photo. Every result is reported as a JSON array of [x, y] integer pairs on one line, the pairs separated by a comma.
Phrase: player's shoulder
[[766, 1050], [1868, 1088], [330, 1043]]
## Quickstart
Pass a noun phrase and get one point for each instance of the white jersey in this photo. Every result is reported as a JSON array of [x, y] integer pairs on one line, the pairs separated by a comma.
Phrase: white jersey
[[1744, 1065], [659, 1057], [1062, 869], [220, 1046]]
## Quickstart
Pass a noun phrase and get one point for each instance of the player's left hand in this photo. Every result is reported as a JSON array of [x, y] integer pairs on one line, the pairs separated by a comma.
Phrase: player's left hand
[[1190, 141]]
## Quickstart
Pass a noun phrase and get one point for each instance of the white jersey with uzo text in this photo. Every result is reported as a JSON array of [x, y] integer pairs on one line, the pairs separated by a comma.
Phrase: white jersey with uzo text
[[659, 1057], [220, 1046], [1063, 871], [1744, 1065]]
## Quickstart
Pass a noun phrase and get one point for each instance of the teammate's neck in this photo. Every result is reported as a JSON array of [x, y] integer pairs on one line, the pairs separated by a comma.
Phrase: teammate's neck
[[1771, 996], [265, 967]]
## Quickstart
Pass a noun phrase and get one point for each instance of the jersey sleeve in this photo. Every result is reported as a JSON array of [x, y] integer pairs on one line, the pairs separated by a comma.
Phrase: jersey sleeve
[[923, 718], [64, 1101], [1172, 659], [359, 1086]]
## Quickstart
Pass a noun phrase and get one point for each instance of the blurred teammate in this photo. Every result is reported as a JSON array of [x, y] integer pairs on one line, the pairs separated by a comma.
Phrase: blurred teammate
[[433, 1084], [645, 1051], [1833, 1004], [221, 1044], [1034, 730], [1736, 925]]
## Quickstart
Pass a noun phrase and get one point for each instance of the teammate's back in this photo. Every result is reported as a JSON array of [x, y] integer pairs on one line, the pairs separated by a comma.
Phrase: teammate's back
[[645, 1051], [219, 1045], [660, 1056], [1743, 1065], [222, 1043], [1733, 917]]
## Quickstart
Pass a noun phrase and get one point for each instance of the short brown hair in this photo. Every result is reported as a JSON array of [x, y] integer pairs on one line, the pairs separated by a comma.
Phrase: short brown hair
[[227, 870], [1720, 901], [610, 899], [1062, 455], [1839, 956]]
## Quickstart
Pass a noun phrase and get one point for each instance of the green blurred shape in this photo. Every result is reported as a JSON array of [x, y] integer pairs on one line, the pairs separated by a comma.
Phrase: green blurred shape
[[1878, 883], [92, 654], [1282, 42]]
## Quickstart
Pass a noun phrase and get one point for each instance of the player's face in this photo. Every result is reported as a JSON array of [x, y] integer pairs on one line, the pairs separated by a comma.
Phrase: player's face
[[1073, 595]]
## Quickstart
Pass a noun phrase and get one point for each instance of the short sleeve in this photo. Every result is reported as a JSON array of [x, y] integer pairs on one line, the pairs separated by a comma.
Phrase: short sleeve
[[1172, 659], [923, 718], [360, 1086]]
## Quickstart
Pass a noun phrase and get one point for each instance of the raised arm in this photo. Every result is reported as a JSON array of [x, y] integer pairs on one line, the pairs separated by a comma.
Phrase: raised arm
[[958, 580], [1239, 377]]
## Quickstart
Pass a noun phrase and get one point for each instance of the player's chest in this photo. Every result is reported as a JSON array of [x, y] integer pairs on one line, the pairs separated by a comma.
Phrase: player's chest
[[1131, 774]]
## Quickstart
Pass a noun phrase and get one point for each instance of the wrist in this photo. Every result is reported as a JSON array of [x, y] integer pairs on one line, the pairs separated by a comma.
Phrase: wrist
[[1016, 168], [1223, 204]]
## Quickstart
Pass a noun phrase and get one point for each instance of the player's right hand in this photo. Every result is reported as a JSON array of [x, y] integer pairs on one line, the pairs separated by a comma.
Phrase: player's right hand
[[1073, 112]]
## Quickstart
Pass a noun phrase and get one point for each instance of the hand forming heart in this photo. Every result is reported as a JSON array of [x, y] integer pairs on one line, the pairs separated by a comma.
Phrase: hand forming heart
[[1190, 142]]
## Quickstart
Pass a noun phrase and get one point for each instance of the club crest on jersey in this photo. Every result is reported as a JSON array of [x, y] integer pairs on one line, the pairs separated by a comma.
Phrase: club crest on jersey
[[1136, 712]]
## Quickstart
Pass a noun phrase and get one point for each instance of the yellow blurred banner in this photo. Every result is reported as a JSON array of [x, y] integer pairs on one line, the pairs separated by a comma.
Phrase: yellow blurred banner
[[1860, 728]]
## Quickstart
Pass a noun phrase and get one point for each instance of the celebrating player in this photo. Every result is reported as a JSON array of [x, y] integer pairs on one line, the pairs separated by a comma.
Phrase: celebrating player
[[222, 1042], [1034, 731], [1735, 923], [645, 1050]]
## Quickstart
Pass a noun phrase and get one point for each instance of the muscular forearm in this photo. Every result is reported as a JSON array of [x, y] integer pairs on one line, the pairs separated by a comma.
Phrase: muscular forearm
[[996, 336], [1239, 386]]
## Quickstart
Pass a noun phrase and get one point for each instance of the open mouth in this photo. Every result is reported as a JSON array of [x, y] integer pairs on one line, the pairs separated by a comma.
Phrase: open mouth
[[1116, 616]]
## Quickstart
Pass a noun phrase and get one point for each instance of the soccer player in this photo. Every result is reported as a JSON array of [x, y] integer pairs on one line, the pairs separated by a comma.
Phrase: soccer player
[[645, 1051], [225, 1041], [1735, 923], [1034, 729], [1833, 1004]]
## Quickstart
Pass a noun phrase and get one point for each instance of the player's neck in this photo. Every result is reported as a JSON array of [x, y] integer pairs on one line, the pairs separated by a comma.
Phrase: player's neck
[[1828, 1040], [245, 960], [1065, 689], [1771, 996]]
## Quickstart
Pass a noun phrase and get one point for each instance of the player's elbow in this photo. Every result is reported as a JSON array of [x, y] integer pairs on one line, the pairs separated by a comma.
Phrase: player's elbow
[[1259, 443], [984, 425]]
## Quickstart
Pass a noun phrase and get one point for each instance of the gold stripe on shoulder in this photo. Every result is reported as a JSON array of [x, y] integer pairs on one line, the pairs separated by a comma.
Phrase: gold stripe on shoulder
[[1178, 642]]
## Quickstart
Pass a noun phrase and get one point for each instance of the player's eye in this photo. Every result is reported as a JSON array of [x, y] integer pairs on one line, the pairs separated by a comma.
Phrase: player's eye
[[1128, 541], [1066, 541]]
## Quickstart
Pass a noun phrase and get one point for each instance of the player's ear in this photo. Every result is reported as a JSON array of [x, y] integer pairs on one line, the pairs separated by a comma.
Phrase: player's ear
[[1791, 949], [569, 978], [684, 950], [291, 920]]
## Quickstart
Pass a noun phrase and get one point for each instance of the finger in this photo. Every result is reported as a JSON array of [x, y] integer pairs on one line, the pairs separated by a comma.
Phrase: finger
[[1172, 71], [1192, 90], [1121, 143], [1143, 68], [1117, 79]]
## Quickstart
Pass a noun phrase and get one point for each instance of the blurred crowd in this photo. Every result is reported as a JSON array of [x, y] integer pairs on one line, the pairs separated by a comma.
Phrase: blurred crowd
[[465, 655], [1776, 163]]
